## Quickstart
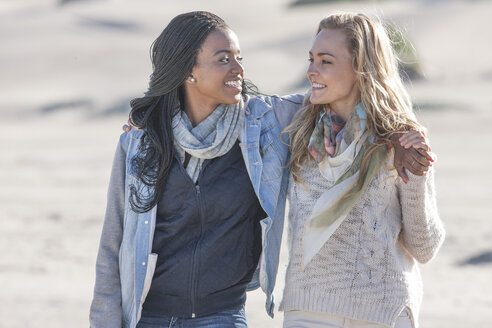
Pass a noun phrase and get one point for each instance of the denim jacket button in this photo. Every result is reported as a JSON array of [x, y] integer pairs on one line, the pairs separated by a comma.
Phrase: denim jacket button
[[146, 222], [143, 263]]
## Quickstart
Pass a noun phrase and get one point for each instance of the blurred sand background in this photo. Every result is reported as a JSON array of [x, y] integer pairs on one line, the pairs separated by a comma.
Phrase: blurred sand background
[[68, 71]]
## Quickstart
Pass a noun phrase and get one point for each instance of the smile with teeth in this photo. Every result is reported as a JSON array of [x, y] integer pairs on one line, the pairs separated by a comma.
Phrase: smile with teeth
[[317, 85], [234, 84]]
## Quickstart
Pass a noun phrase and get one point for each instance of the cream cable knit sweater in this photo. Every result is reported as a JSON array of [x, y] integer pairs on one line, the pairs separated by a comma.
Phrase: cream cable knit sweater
[[367, 270]]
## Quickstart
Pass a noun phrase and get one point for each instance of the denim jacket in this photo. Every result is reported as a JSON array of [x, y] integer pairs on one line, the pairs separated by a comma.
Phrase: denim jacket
[[125, 262]]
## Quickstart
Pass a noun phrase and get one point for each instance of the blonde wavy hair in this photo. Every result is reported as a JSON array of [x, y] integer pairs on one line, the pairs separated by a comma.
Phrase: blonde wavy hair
[[386, 100]]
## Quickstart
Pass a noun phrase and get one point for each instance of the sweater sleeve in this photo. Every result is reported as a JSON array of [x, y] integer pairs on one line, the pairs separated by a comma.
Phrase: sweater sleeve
[[106, 310], [422, 230]]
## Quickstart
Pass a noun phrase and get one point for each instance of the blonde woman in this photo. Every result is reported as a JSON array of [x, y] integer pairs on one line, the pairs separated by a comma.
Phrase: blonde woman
[[356, 230]]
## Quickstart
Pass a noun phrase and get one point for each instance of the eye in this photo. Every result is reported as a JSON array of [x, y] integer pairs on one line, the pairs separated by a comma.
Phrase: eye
[[311, 60], [325, 62], [224, 60], [239, 59]]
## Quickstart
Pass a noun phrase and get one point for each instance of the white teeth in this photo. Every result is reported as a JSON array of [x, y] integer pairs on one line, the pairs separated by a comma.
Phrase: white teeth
[[317, 85], [234, 84]]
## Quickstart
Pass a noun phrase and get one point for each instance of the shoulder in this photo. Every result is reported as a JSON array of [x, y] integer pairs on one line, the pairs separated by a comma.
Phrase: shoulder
[[284, 107], [258, 104], [276, 100], [127, 139]]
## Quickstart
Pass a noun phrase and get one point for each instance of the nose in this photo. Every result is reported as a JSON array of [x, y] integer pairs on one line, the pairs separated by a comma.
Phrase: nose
[[237, 67], [311, 71]]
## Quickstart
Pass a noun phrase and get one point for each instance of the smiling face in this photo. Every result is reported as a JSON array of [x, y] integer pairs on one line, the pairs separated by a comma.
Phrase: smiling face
[[332, 77], [218, 74]]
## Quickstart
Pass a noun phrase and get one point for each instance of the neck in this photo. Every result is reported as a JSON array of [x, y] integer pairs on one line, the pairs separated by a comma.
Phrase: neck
[[344, 110], [197, 111], [346, 105]]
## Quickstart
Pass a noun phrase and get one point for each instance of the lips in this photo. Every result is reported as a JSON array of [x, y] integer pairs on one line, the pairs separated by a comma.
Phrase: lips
[[235, 85], [317, 86]]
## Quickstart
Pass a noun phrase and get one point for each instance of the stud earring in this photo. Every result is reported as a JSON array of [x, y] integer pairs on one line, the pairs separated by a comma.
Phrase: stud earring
[[192, 79]]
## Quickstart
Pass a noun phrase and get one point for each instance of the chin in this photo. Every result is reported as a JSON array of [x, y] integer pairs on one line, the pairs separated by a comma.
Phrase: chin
[[234, 100], [316, 100]]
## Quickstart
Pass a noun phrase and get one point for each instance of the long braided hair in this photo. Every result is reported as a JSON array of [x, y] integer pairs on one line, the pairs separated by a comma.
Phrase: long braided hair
[[173, 56]]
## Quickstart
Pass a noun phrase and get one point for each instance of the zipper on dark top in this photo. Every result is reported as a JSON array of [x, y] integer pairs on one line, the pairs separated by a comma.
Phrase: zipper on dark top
[[194, 267]]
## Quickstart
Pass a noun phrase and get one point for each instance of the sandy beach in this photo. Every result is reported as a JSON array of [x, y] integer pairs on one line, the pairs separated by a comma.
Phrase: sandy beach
[[67, 73]]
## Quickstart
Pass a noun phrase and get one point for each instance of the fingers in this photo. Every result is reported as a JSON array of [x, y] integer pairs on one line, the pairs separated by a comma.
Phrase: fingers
[[417, 168], [421, 159], [126, 128], [421, 145], [416, 163], [415, 139], [426, 154], [129, 126], [404, 137]]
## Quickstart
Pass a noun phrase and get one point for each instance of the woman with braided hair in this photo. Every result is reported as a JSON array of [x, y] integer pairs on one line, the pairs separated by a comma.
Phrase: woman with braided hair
[[181, 238], [197, 191]]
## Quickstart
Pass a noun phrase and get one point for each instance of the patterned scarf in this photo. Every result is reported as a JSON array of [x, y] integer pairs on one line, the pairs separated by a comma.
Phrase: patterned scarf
[[327, 133], [212, 137], [338, 149]]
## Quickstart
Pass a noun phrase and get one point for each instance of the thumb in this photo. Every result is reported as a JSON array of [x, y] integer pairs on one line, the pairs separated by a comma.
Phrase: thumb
[[401, 172]]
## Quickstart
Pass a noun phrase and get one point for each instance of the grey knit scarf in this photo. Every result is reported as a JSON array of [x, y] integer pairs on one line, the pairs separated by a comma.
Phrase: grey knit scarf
[[212, 137]]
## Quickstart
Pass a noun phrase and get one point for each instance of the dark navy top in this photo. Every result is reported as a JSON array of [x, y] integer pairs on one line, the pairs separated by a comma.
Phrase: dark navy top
[[208, 239]]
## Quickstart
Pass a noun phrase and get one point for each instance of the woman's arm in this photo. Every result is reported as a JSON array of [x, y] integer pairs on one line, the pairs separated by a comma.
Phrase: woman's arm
[[286, 107], [106, 308], [422, 230], [412, 150]]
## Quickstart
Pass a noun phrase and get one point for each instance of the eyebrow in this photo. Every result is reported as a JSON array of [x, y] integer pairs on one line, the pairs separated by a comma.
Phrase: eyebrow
[[323, 54], [221, 51]]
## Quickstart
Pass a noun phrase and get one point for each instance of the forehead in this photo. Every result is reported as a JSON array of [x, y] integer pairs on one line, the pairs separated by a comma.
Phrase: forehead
[[330, 40], [222, 39]]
